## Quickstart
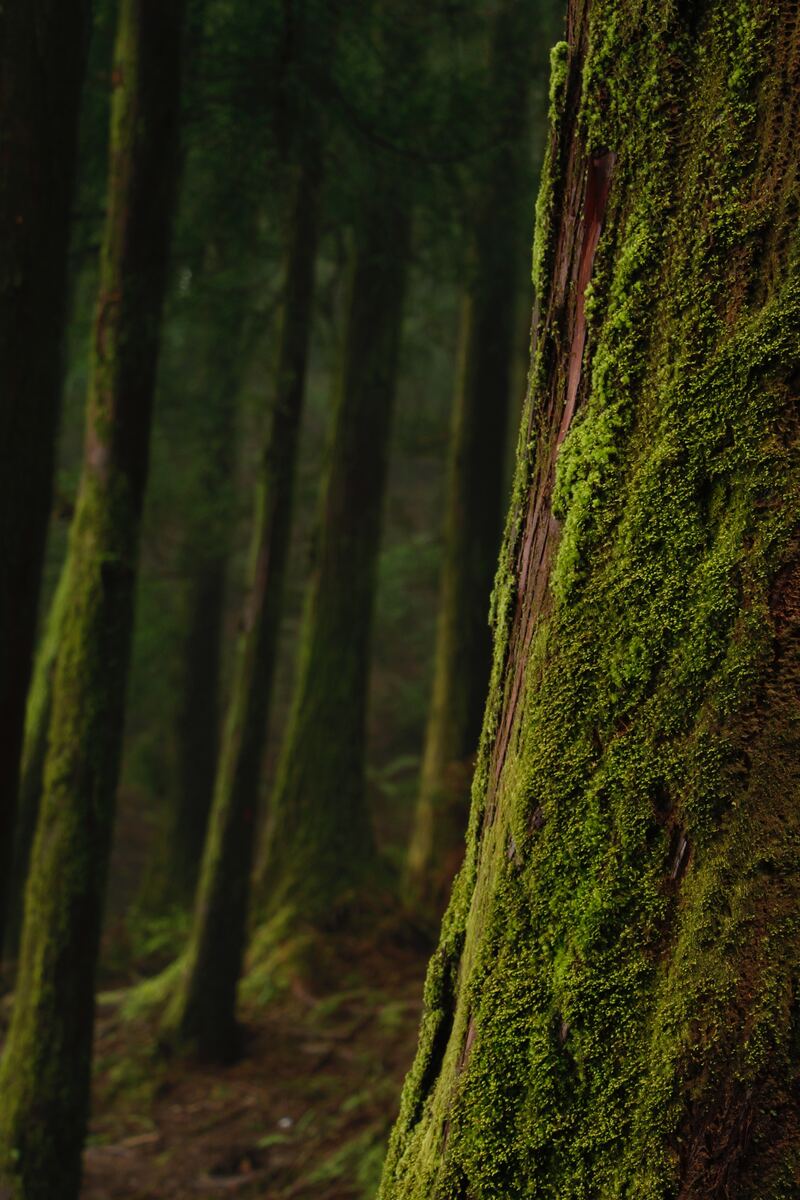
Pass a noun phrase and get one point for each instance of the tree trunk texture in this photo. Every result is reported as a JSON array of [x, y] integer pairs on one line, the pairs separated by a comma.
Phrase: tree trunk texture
[[42, 59], [34, 752], [612, 1010], [319, 846], [476, 468], [44, 1075], [201, 1015]]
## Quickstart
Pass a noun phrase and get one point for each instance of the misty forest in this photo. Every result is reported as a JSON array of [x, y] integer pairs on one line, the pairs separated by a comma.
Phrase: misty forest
[[400, 599]]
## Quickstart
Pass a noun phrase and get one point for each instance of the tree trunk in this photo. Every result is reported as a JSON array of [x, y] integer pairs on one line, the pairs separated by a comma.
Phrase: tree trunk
[[34, 751], [612, 1009], [319, 847], [224, 363], [201, 1015], [474, 502], [198, 729], [42, 58], [44, 1076]]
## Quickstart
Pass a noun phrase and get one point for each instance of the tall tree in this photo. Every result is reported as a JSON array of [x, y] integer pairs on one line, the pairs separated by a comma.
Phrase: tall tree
[[612, 1008], [477, 455], [218, 333], [42, 59], [44, 1075], [319, 840], [201, 1016]]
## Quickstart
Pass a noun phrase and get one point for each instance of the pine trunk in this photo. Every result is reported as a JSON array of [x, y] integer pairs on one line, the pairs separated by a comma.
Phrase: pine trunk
[[44, 1076], [201, 1016], [612, 1009], [477, 457], [319, 847], [42, 59]]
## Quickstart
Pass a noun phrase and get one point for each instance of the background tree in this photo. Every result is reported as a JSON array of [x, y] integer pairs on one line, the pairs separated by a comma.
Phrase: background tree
[[41, 69], [201, 1014], [477, 449], [610, 1009], [45, 1066], [85, 234], [319, 842]]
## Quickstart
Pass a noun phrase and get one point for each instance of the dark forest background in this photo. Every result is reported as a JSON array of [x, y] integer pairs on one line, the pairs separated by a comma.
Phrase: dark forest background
[[339, 317]]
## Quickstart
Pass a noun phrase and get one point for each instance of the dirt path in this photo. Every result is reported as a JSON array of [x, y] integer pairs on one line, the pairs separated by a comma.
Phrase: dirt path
[[304, 1114]]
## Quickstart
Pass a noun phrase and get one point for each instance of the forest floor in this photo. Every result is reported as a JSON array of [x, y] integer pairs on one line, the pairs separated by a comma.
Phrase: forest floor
[[304, 1113]]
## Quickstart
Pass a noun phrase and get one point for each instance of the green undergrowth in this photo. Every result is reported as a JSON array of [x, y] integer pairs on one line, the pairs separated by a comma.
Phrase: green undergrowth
[[611, 1010]]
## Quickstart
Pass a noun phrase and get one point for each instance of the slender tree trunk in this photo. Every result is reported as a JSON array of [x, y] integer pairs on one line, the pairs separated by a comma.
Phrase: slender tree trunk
[[34, 752], [44, 1075], [42, 58], [474, 500], [612, 1010], [319, 845], [198, 728], [175, 873], [201, 1015]]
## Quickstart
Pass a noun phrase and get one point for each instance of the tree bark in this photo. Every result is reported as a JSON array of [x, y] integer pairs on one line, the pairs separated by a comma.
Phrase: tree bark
[[201, 1015], [42, 59], [474, 500], [612, 1008], [34, 753], [319, 846], [44, 1075]]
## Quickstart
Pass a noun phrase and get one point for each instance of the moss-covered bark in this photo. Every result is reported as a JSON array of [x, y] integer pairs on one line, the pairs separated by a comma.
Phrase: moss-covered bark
[[319, 847], [44, 1075], [34, 749], [201, 1014], [477, 456], [612, 1009], [42, 58]]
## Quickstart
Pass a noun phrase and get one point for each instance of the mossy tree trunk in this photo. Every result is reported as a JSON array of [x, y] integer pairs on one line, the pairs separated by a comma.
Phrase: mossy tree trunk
[[319, 846], [477, 457], [34, 751], [201, 1016], [613, 1009], [44, 1075], [42, 59]]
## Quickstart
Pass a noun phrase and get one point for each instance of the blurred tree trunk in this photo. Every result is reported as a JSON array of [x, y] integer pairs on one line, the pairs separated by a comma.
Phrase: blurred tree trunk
[[222, 320], [44, 1076], [198, 724], [34, 751], [319, 843], [42, 59], [201, 1015], [613, 1007], [477, 458]]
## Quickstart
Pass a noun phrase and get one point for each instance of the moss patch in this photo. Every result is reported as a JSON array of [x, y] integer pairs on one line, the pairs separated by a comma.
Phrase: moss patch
[[610, 1010]]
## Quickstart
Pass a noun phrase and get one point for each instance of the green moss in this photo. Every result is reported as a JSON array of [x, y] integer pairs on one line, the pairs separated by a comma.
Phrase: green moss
[[611, 1006], [545, 203]]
